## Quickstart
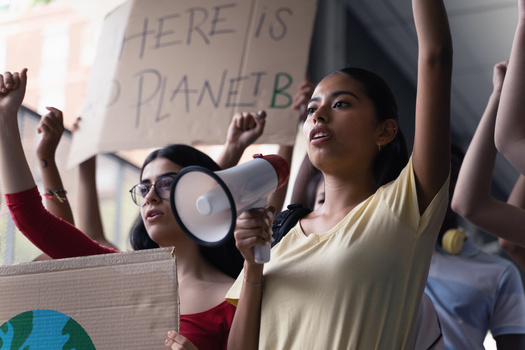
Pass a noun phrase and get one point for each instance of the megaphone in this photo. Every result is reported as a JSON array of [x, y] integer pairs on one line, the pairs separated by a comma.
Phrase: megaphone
[[206, 203]]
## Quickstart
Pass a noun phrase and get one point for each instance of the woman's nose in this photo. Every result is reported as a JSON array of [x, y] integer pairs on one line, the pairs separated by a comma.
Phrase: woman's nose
[[151, 196], [320, 115]]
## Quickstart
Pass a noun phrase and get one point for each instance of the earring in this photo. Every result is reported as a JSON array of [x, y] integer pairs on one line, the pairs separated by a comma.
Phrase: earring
[[379, 147]]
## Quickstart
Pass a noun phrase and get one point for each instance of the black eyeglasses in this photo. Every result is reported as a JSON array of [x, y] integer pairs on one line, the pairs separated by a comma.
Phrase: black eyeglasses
[[162, 188]]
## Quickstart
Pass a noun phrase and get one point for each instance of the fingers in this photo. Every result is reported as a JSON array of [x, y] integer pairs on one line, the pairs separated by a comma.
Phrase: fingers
[[53, 122], [51, 127], [177, 341], [12, 81], [260, 122], [22, 81], [303, 95], [500, 70], [9, 81], [247, 121], [253, 228], [12, 92], [3, 83]]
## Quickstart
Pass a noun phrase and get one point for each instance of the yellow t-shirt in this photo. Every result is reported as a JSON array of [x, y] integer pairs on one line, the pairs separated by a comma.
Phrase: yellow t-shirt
[[357, 286]]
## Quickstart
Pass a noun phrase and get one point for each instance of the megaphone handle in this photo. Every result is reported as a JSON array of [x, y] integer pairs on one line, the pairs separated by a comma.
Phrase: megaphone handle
[[262, 253]]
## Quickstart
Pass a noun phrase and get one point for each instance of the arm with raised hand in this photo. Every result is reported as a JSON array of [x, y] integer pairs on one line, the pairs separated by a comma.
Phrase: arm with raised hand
[[300, 101], [253, 228], [89, 216], [510, 123], [54, 236], [431, 152], [472, 197], [52, 127], [15, 172], [245, 128], [305, 173]]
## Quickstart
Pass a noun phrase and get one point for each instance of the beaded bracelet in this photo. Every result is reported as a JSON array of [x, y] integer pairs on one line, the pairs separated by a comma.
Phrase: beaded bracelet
[[55, 194], [250, 283]]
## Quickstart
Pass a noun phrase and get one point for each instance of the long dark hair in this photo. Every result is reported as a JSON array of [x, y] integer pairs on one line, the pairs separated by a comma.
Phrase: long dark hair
[[225, 257], [393, 157]]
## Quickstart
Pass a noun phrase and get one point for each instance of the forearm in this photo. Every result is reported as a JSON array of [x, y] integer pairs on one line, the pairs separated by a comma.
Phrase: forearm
[[14, 170], [510, 125], [472, 197], [517, 196], [52, 235], [472, 193], [244, 333], [56, 202], [89, 216], [431, 151], [230, 155], [433, 31]]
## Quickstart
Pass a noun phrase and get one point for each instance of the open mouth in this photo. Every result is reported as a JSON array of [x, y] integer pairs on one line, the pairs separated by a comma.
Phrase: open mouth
[[319, 134]]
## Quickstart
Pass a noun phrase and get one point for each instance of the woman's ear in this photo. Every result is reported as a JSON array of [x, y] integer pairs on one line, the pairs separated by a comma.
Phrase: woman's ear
[[387, 132]]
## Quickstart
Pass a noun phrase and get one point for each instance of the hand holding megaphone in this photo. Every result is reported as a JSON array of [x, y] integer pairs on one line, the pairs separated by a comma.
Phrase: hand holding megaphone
[[206, 204], [253, 234]]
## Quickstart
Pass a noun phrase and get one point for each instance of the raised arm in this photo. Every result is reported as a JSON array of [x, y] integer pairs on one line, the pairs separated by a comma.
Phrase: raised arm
[[52, 127], [245, 128], [472, 197], [305, 173], [15, 172], [510, 124], [54, 236], [89, 216], [431, 154]]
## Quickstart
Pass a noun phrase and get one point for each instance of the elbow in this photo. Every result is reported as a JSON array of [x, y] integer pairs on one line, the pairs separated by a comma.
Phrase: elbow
[[502, 141], [462, 207]]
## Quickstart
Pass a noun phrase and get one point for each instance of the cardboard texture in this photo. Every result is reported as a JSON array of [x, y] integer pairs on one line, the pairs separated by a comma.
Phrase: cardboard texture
[[104, 302], [176, 72]]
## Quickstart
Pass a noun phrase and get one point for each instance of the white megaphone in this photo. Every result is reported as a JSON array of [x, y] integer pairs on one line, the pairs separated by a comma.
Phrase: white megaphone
[[206, 203]]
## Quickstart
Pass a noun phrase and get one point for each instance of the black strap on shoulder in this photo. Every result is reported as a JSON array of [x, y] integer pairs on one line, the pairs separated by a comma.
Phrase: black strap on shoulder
[[285, 220]]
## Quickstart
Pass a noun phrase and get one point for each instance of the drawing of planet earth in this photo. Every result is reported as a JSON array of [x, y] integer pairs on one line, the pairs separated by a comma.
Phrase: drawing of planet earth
[[43, 330]]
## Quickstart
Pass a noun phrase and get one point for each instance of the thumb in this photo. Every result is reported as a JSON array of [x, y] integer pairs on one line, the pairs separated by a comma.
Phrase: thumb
[[23, 80]]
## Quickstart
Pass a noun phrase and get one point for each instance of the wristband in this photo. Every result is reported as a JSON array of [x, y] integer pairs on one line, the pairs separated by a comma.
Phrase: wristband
[[58, 194]]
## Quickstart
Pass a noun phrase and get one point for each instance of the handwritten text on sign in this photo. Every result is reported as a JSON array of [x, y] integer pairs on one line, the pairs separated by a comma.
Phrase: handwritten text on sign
[[176, 71]]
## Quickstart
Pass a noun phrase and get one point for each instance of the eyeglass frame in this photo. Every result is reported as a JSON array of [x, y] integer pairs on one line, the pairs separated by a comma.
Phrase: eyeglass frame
[[134, 195]]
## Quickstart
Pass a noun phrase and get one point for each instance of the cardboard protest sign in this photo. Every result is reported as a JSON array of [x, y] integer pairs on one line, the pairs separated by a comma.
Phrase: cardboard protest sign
[[176, 72], [112, 301]]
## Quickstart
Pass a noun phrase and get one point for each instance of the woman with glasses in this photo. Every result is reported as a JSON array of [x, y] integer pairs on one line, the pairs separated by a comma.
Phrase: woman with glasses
[[204, 275]]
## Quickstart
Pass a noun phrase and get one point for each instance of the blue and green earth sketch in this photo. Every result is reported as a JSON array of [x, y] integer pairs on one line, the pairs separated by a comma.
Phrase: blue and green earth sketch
[[43, 330]]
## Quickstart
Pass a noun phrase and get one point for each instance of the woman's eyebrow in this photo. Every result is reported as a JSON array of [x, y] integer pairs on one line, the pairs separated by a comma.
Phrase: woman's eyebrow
[[169, 173], [344, 92], [336, 94]]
